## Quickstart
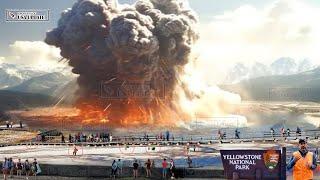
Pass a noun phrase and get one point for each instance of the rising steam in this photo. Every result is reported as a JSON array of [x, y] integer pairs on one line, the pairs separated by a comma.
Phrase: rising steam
[[148, 43]]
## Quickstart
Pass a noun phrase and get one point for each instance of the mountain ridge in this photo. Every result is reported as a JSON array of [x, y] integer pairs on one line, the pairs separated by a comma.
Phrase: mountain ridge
[[304, 86]]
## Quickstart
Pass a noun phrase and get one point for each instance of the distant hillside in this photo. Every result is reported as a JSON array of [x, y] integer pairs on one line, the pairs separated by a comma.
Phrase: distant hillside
[[282, 66], [46, 84], [12, 75], [10, 100], [298, 87]]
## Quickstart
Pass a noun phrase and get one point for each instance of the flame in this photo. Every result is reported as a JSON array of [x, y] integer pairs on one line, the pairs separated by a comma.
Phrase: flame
[[133, 114], [192, 98]]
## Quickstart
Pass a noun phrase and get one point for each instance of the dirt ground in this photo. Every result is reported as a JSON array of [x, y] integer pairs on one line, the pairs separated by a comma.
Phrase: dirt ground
[[11, 136]]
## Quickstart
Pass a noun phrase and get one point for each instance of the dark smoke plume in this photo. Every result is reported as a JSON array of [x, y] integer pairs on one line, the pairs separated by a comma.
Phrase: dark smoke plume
[[148, 42]]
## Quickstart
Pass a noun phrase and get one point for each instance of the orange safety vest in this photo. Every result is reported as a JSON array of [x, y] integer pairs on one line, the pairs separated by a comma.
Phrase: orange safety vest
[[300, 170]]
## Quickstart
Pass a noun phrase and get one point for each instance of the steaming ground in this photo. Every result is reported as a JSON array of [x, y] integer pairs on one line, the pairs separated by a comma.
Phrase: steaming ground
[[278, 114], [254, 116]]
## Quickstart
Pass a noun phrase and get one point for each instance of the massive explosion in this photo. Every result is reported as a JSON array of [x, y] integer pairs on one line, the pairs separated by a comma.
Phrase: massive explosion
[[130, 59]]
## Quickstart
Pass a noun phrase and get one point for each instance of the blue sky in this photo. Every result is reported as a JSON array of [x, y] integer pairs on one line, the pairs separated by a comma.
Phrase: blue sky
[[10, 32]]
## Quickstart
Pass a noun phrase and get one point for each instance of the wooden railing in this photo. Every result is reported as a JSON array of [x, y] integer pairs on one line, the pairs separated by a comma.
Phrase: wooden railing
[[185, 140]]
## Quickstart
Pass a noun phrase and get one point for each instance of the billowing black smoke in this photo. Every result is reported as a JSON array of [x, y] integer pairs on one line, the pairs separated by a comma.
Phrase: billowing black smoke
[[148, 42]]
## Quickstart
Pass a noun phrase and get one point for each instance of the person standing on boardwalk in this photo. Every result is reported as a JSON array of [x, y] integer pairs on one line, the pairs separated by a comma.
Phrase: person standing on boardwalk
[[120, 166], [303, 162], [11, 167], [272, 132], [164, 168], [75, 150], [135, 169], [148, 167], [35, 168], [27, 168], [62, 138], [288, 132], [5, 168], [70, 138], [172, 168], [110, 138], [283, 132], [220, 135], [237, 134], [298, 132], [114, 168], [189, 161], [167, 135], [19, 168]]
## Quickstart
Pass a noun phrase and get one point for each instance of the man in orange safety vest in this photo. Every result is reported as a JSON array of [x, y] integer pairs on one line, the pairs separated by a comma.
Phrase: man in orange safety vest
[[303, 162]]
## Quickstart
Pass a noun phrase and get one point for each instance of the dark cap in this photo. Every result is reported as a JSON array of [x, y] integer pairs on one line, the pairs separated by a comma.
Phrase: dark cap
[[302, 141]]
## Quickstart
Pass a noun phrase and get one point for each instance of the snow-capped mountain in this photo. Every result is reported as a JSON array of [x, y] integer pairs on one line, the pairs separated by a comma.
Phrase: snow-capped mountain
[[304, 86], [44, 84], [22, 86], [284, 66], [22, 78], [281, 66], [12, 75], [258, 70], [305, 65], [238, 71]]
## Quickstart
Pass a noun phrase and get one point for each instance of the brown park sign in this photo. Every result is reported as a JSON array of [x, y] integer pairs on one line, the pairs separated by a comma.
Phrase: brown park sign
[[252, 164]]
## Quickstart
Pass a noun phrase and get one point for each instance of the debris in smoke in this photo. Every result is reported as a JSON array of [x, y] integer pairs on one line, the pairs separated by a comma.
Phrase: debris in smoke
[[147, 43]]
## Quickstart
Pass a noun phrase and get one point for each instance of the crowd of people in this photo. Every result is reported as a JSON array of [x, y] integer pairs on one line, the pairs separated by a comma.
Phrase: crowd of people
[[283, 133], [168, 168], [107, 137], [286, 132], [83, 137], [10, 168]]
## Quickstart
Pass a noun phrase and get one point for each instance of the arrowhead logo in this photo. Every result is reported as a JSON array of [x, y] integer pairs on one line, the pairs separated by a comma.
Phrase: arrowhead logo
[[271, 159]]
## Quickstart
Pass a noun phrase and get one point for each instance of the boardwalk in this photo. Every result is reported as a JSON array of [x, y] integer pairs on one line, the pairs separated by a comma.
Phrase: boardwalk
[[265, 137]]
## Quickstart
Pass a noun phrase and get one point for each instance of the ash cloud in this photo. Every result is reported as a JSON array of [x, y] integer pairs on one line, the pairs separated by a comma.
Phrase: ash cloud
[[148, 42]]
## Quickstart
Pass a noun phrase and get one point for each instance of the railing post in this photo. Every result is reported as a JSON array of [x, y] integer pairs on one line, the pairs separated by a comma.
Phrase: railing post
[[283, 163]]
